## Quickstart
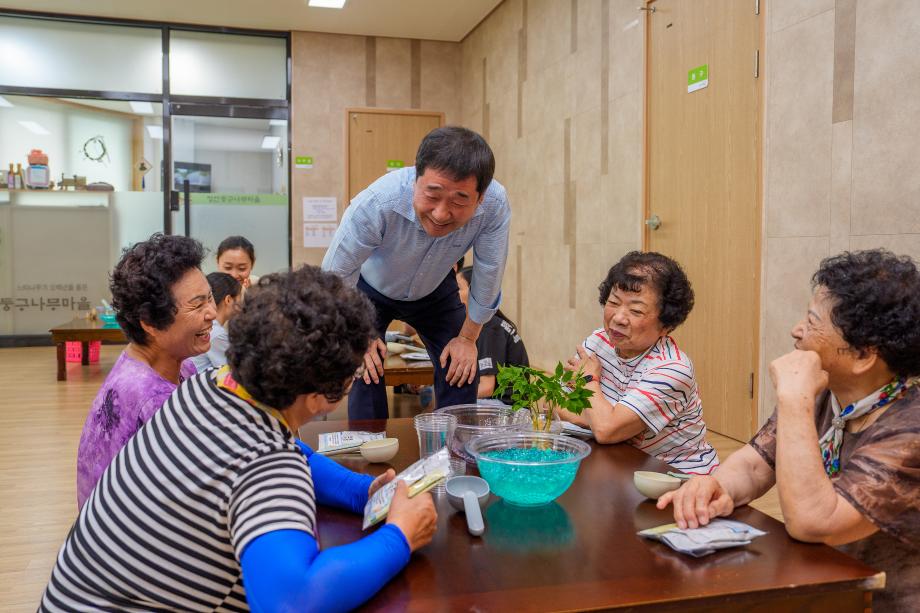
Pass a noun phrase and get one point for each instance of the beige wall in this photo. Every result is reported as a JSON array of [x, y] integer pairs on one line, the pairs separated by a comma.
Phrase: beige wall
[[842, 123], [555, 86], [332, 72]]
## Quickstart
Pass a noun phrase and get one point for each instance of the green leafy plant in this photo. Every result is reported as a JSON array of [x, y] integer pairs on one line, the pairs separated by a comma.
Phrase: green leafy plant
[[541, 393]]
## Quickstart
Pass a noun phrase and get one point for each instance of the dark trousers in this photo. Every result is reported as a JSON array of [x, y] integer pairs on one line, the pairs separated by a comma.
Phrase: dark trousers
[[437, 318]]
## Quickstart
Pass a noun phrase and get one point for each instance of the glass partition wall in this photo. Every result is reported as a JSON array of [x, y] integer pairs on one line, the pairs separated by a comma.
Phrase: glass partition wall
[[110, 131]]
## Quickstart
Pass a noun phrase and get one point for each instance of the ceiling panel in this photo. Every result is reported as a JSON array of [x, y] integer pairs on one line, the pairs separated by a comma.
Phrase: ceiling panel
[[445, 20]]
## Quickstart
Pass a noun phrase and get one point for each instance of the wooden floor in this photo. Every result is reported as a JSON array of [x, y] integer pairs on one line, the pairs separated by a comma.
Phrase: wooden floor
[[40, 424]]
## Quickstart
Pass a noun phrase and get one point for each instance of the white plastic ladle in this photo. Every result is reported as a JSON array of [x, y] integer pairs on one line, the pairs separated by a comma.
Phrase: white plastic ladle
[[469, 494]]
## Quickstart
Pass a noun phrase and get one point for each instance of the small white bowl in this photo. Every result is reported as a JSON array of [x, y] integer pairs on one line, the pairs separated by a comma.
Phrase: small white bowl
[[653, 485], [380, 450]]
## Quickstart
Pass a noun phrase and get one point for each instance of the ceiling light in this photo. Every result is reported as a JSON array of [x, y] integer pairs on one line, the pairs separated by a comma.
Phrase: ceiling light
[[141, 108], [327, 4], [270, 142], [5, 102], [277, 122], [155, 132], [34, 128]]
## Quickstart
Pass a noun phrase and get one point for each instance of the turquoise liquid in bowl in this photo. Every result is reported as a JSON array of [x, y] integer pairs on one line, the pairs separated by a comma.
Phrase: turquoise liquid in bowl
[[528, 469]]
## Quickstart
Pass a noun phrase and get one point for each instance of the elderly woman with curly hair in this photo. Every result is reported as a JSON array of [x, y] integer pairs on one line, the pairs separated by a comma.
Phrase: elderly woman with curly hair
[[645, 390], [843, 446], [212, 504], [163, 304]]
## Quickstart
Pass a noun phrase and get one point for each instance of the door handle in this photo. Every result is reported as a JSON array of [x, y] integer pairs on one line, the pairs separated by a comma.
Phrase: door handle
[[653, 222]]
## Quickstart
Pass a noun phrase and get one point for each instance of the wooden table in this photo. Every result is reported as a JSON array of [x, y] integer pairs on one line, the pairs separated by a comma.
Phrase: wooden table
[[398, 371], [84, 331], [581, 552]]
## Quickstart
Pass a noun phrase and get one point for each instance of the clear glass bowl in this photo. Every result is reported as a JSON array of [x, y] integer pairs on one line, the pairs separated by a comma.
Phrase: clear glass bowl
[[528, 468], [475, 420]]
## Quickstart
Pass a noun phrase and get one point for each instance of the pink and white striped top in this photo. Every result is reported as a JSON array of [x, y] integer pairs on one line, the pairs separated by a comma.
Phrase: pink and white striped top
[[659, 387]]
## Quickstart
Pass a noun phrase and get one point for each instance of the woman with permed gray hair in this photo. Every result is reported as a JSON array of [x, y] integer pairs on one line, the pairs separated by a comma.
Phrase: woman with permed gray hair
[[163, 304], [843, 445], [212, 505], [645, 390]]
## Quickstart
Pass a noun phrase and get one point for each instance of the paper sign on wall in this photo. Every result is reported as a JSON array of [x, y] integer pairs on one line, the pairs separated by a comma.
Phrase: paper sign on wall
[[698, 78], [318, 234], [319, 210], [303, 161]]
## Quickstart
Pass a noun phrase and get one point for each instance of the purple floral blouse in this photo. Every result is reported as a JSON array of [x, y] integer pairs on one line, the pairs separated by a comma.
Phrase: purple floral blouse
[[130, 395]]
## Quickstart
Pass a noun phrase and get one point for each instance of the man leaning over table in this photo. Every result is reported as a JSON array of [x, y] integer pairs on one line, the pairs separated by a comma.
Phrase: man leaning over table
[[398, 242], [843, 446]]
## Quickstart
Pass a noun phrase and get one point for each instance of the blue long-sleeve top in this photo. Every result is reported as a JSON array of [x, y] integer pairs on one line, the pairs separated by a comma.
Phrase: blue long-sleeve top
[[284, 570]]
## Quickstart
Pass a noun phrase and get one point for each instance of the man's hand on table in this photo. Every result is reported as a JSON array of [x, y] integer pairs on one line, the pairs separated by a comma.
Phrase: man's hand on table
[[373, 361], [416, 517], [698, 501], [461, 352]]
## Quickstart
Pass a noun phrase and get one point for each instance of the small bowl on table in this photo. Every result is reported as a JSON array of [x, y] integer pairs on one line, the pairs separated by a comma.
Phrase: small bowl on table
[[655, 485], [108, 318], [380, 450]]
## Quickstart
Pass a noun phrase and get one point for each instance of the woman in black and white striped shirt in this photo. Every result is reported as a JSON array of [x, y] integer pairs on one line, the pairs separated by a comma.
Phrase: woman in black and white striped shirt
[[215, 488]]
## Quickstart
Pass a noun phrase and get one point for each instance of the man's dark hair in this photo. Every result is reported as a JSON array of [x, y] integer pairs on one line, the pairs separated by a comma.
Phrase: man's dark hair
[[142, 282], [876, 304], [458, 152], [223, 285], [237, 242], [300, 332], [659, 272]]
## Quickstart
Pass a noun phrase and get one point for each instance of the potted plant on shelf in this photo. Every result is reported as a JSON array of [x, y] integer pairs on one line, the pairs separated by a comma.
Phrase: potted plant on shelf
[[541, 393]]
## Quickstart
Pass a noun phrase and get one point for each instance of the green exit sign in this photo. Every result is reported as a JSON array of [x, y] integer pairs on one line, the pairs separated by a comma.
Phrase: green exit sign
[[394, 165], [303, 161]]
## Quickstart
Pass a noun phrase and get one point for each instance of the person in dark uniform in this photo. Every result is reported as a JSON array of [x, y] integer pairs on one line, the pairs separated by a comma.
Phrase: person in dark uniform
[[499, 343]]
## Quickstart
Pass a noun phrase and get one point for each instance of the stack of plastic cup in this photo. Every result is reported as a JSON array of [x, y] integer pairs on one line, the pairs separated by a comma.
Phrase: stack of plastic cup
[[434, 431]]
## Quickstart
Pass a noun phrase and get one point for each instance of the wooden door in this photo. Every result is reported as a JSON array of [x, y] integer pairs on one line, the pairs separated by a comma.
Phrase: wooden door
[[703, 177], [382, 140]]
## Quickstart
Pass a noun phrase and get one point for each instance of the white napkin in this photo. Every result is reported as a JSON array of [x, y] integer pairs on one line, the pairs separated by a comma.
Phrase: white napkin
[[698, 542]]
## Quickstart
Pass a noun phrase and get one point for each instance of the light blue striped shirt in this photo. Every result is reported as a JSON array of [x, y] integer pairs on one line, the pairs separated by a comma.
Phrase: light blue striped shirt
[[381, 240]]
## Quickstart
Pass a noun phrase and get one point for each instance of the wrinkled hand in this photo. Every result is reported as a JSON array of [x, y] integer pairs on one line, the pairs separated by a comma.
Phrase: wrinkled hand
[[463, 355], [798, 376], [373, 361], [380, 481], [698, 501], [587, 362], [416, 517]]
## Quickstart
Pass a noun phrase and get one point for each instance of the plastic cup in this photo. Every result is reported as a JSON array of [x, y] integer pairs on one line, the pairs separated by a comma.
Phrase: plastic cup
[[434, 432]]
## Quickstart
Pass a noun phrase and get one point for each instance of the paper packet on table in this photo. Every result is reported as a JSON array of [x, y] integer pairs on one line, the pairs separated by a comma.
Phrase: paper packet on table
[[420, 477], [350, 440], [698, 542]]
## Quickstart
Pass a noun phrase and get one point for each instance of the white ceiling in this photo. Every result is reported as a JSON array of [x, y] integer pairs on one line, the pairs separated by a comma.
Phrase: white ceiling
[[445, 20]]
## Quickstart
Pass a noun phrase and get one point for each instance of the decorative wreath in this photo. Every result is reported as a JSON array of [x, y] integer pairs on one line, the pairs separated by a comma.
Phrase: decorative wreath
[[95, 150]]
